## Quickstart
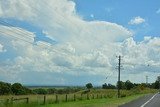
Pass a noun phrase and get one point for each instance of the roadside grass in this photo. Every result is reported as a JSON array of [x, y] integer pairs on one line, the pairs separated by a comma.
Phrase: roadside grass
[[105, 102], [102, 98]]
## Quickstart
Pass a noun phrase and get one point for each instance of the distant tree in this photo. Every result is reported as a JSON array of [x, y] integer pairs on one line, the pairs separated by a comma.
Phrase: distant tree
[[89, 85], [158, 78], [156, 85], [121, 84], [108, 86], [27, 90], [51, 91], [104, 86], [18, 89], [128, 85], [5, 88], [40, 91]]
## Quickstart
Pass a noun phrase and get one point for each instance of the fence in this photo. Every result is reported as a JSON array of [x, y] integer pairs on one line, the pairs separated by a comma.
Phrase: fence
[[20, 99], [50, 99]]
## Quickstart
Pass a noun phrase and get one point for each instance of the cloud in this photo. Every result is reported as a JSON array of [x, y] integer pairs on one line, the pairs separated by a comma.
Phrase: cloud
[[2, 48], [83, 49], [158, 11], [63, 24], [136, 20]]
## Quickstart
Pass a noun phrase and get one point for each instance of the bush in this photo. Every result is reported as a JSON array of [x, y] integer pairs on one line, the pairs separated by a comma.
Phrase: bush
[[89, 85], [85, 91], [18, 89], [51, 91], [123, 95], [108, 86], [5, 88], [40, 91]]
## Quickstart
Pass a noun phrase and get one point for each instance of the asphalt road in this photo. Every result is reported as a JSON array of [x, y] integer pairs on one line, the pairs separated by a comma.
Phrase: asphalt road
[[152, 100]]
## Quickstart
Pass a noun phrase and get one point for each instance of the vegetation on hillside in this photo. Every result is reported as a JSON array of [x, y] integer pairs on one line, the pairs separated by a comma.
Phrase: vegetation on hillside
[[19, 89]]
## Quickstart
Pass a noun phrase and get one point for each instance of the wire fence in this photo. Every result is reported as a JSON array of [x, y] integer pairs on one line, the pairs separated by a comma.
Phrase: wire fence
[[50, 99]]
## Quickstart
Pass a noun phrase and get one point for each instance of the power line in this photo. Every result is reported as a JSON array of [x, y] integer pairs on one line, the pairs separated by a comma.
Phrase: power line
[[32, 43], [16, 29], [20, 33], [5, 33]]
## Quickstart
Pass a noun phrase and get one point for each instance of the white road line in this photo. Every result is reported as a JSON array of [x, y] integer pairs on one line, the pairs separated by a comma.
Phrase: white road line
[[148, 101]]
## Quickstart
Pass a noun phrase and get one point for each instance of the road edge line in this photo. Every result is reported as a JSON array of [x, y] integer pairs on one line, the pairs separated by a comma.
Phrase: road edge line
[[148, 100]]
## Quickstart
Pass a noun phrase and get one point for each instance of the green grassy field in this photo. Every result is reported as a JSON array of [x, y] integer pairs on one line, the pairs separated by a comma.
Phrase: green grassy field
[[94, 98], [105, 102]]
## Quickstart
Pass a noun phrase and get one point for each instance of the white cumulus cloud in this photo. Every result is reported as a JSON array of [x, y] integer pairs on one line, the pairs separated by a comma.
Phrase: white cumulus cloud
[[136, 20]]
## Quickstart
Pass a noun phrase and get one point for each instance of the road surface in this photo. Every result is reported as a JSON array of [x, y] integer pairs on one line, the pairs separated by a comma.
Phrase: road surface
[[152, 100]]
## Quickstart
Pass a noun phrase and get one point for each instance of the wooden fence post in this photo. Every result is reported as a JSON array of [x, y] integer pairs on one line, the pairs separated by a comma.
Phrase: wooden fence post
[[44, 100], [66, 98], [74, 97], [56, 98], [87, 96], [27, 100]]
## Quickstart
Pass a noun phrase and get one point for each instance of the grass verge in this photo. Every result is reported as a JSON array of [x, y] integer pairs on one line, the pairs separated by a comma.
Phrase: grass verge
[[109, 102]]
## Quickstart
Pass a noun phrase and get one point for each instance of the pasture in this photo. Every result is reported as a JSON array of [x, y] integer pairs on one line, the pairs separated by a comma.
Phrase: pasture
[[93, 98]]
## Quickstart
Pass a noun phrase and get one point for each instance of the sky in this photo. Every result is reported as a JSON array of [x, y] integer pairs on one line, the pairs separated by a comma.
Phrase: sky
[[74, 42]]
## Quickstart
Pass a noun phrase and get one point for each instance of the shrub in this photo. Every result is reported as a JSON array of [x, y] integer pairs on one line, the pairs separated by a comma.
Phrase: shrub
[[18, 89], [89, 85], [123, 95], [40, 91], [5, 88], [51, 91]]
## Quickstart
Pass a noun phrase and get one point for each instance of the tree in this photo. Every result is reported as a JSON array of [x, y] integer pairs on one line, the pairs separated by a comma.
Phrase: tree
[[121, 84], [89, 85], [51, 91], [18, 89], [104, 86], [40, 91], [158, 78], [128, 85], [5, 88], [156, 85], [108, 86]]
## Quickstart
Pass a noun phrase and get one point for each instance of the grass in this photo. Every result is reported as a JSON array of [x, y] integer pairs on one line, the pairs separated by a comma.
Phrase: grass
[[105, 102], [108, 100]]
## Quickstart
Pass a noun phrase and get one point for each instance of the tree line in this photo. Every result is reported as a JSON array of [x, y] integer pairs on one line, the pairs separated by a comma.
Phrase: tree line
[[129, 85], [16, 88], [19, 89]]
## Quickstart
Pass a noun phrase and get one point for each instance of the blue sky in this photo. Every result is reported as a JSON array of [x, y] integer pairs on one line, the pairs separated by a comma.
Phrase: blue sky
[[121, 12], [72, 42]]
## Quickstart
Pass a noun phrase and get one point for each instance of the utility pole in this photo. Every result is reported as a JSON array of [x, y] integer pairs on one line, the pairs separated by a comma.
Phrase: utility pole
[[119, 71], [146, 80], [158, 78]]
